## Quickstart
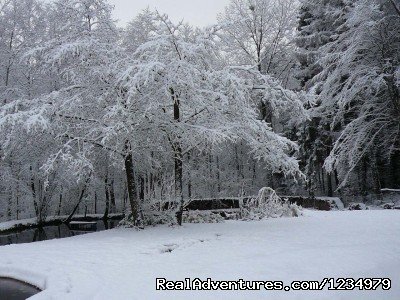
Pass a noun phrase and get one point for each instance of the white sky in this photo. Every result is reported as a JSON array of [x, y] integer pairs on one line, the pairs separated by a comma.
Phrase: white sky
[[195, 12]]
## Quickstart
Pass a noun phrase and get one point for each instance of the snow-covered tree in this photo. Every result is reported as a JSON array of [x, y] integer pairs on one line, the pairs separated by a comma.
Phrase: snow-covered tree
[[320, 23], [362, 83], [22, 25], [260, 33], [176, 94], [75, 59]]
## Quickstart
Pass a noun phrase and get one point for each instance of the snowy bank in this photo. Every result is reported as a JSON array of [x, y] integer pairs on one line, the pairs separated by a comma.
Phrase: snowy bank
[[124, 263]]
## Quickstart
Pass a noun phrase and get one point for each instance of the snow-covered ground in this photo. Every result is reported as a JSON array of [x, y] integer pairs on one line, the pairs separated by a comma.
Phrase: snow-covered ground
[[124, 263]]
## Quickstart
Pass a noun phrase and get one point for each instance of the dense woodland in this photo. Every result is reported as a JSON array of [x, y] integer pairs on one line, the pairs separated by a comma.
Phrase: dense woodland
[[299, 96]]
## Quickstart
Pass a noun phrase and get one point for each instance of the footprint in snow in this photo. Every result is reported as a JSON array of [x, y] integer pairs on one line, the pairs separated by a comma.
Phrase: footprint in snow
[[168, 248]]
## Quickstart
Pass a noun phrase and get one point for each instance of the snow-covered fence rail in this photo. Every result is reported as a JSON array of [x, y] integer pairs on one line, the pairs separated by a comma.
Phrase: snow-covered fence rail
[[390, 191]]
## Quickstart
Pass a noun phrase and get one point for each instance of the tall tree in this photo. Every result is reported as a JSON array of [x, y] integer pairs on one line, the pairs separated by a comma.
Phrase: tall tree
[[363, 83], [185, 101], [320, 23]]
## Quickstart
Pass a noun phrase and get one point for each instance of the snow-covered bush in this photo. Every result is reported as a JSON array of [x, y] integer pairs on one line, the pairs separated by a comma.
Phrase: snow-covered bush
[[202, 217], [357, 206], [163, 212], [168, 217], [390, 205], [268, 205], [150, 219]]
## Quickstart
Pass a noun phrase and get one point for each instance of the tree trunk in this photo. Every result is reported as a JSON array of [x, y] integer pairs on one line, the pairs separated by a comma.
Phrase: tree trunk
[[9, 206], [130, 179], [107, 193], [95, 202], [211, 184], [329, 182], [69, 219], [189, 180], [59, 204], [113, 204], [142, 187], [218, 177], [125, 198], [179, 182], [178, 160], [34, 195], [364, 174]]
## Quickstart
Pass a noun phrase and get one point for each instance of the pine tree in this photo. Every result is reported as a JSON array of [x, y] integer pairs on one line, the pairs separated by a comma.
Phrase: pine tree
[[363, 84], [320, 23]]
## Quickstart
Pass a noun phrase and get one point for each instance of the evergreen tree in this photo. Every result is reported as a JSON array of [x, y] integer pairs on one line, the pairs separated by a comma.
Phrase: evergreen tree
[[320, 23]]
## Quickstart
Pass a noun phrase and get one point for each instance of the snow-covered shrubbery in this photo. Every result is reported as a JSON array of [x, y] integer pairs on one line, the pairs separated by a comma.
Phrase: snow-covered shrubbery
[[159, 213], [151, 219], [268, 205], [202, 217], [167, 217], [357, 206]]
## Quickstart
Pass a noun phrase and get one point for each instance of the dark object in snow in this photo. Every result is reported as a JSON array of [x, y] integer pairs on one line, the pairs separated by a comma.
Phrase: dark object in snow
[[388, 206], [11, 289], [326, 204], [357, 206]]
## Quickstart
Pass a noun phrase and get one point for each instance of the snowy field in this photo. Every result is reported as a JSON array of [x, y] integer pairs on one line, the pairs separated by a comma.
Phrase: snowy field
[[124, 263]]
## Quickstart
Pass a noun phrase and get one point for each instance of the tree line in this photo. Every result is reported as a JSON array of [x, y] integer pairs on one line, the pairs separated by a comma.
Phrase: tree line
[[302, 97]]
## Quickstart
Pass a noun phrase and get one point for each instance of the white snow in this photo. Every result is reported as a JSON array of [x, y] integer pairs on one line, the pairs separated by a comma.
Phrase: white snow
[[12, 224], [124, 263], [82, 223], [390, 190]]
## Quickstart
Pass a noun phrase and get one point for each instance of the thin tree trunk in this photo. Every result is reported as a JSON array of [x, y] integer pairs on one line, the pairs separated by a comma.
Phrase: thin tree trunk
[[107, 193], [59, 204], [9, 205], [34, 195], [17, 209], [142, 187], [210, 175], [8, 69], [95, 202], [69, 219], [189, 183], [329, 182], [113, 204], [218, 177], [125, 198], [237, 163]]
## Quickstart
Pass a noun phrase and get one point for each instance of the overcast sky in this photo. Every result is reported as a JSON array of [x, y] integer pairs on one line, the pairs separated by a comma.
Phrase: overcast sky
[[195, 12]]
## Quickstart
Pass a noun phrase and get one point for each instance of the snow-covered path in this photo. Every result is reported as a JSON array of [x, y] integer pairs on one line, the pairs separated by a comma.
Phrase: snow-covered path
[[124, 263]]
